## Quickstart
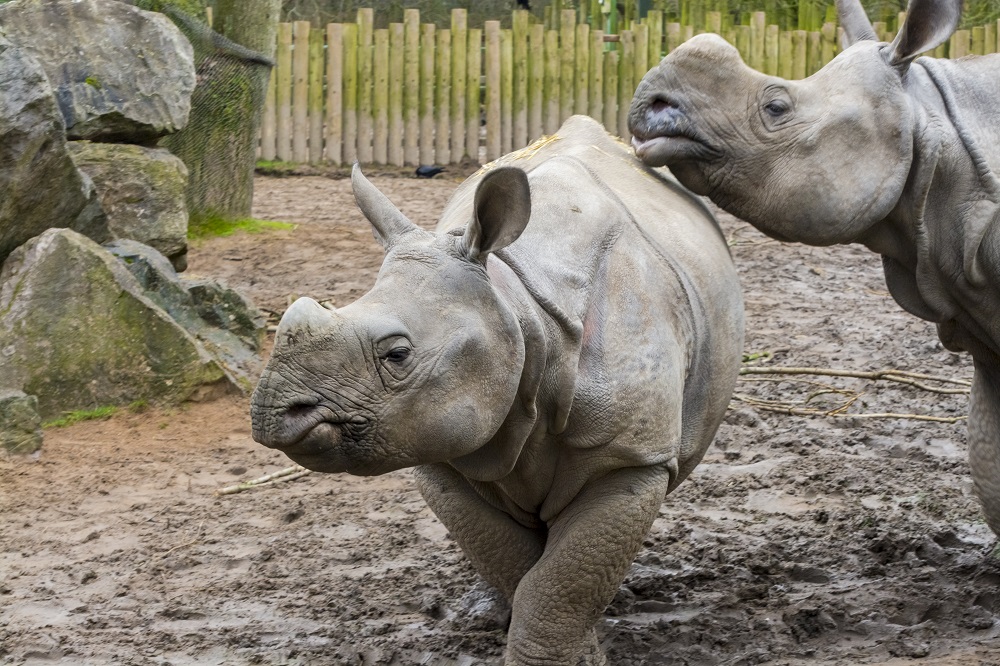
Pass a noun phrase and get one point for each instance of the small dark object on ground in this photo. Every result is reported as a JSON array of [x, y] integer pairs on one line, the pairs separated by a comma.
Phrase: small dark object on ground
[[428, 171]]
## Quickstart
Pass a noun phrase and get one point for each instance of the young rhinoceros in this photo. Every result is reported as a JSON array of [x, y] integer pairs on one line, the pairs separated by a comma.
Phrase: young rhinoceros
[[878, 147], [553, 360]]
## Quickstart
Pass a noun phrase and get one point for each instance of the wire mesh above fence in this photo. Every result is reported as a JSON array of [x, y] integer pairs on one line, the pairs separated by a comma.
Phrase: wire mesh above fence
[[414, 94]]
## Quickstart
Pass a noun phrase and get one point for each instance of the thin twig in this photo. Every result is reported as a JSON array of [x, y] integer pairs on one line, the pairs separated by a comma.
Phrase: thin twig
[[787, 408], [287, 474], [898, 376]]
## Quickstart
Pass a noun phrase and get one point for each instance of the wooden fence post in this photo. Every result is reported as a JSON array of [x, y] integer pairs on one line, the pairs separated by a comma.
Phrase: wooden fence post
[[799, 39], [536, 80], [269, 119], [611, 91], [640, 54], [596, 108], [713, 22], [771, 37], [300, 92], [473, 78], [397, 46], [582, 85], [673, 36], [411, 86], [380, 98], [551, 94], [365, 84], [829, 33], [654, 19], [459, 51], [427, 93], [520, 78], [334, 129], [283, 93], [785, 54], [350, 37], [316, 75], [492, 66], [567, 74], [626, 70], [506, 91], [758, 28], [442, 98]]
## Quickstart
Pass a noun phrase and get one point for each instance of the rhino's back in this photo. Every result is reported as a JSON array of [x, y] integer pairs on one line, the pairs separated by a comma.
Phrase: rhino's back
[[665, 212]]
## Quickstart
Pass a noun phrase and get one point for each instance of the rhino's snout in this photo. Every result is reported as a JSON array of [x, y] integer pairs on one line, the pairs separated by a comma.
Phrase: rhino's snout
[[657, 115]]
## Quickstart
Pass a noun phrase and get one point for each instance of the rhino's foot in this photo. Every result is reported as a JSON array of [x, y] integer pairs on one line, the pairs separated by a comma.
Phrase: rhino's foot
[[482, 608]]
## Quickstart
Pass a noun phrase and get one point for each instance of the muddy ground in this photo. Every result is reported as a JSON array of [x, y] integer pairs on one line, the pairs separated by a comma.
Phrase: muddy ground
[[798, 540]]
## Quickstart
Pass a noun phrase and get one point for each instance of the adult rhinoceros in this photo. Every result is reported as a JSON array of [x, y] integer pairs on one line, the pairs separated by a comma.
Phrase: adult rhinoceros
[[879, 147], [553, 360]]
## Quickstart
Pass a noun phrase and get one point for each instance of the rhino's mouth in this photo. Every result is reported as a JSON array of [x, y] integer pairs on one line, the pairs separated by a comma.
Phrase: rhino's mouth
[[663, 134], [316, 438]]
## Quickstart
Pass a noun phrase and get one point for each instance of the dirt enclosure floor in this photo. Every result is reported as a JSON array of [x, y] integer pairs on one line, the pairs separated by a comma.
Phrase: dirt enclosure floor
[[798, 540]]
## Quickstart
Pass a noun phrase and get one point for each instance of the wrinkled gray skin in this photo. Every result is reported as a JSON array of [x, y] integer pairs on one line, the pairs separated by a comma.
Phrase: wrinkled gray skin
[[554, 360], [899, 153]]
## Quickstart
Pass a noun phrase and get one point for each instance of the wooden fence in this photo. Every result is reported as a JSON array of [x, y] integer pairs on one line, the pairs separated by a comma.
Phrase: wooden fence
[[414, 94]]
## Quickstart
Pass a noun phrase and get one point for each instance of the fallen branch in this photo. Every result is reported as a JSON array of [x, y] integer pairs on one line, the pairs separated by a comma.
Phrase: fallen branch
[[791, 409], [898, 376], [287, 474]]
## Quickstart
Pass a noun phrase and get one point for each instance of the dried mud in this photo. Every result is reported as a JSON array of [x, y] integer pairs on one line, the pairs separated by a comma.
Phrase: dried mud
[[798, 540]]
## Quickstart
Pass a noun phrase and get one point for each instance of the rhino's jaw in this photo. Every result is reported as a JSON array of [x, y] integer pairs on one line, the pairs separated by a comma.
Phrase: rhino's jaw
[[663, 134], [314, 438]]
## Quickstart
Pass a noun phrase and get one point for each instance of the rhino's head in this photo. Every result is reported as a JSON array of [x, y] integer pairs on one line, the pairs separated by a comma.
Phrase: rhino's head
[[421, 369], [816, 161]]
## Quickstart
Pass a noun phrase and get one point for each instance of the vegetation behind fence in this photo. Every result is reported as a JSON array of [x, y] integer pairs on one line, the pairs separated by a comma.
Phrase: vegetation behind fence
[[414, 94]]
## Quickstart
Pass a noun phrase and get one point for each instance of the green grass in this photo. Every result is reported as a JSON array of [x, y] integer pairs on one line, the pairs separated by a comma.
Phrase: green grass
[[276, 167], [69, 418], [213, 227], [98, 414]]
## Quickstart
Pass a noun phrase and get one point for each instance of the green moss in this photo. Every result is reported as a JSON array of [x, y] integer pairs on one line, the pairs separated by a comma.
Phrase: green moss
[[213, 226], [276, 167], [69, 418], [93, 82]]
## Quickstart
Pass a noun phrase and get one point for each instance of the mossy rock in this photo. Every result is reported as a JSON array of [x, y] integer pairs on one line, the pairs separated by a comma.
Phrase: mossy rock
[[20, 424], [78, 331]]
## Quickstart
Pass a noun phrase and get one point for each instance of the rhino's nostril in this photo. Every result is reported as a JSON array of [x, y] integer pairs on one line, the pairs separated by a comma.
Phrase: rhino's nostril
[[299, 411], [662, 103]]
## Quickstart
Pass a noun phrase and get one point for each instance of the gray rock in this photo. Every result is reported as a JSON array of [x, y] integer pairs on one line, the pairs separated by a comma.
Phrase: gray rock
[[119, 73], [141, 191], [230, 327], [78, 332], [20, 424], [40, 185]]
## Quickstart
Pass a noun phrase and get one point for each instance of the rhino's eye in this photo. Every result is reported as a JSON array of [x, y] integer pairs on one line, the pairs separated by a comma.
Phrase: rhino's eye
[[397, 354], [776, 108]]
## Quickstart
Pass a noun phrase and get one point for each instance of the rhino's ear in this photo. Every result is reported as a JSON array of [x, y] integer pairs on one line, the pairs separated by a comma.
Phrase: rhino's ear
[[388, 223], [500, 212], [928, 24], [857, 27]]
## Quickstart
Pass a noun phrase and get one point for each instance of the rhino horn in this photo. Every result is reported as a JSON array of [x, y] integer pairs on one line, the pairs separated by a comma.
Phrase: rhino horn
[[928, 24], [388, 222], [857, 27], [501, 211], [304, 319]]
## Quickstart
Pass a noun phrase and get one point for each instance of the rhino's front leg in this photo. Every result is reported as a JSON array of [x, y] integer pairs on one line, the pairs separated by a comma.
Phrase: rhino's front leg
[[589, 549], [500, 548], [984, 440]]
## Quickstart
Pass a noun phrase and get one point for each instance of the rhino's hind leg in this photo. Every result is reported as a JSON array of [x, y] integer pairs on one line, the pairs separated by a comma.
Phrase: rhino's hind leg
[[500, 548], [984, 441]]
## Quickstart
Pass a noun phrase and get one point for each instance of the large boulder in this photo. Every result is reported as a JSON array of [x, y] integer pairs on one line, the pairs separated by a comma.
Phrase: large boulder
[[40, 186], [142, 192], [230, 327], [78, 332], [20, 424], [120, 74]]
